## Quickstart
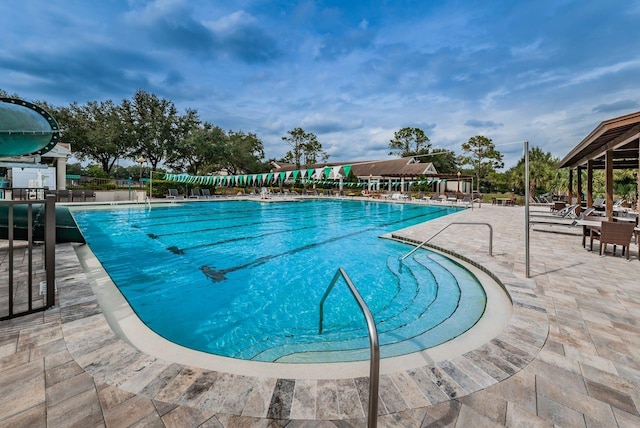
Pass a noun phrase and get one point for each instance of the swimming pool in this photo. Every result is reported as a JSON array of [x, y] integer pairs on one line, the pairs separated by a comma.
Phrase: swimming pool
[[244, 279]]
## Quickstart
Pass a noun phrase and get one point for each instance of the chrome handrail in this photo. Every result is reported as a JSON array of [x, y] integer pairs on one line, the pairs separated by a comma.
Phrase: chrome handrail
[[374, 362], [441, 230]]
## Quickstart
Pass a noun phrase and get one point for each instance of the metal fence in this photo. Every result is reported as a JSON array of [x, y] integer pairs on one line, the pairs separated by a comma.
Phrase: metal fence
[[27, 256]]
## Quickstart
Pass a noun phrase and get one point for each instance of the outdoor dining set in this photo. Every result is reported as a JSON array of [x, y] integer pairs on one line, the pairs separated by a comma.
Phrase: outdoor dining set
[[619, 232]]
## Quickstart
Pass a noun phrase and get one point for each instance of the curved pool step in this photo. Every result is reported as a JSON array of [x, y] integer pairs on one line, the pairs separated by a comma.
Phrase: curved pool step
[[421, 287], [423, 331], [442, 332], [408, 289], [402, 339]]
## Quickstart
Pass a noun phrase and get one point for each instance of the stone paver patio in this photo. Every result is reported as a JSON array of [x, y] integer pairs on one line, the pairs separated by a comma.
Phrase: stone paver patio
[[570, 356]]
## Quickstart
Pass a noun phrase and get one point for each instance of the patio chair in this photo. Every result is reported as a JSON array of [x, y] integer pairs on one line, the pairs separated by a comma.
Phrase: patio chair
[[89, 194], [615, 233]]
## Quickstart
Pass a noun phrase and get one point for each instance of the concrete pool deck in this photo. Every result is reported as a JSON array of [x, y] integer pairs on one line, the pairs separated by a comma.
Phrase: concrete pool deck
[[570, 355]]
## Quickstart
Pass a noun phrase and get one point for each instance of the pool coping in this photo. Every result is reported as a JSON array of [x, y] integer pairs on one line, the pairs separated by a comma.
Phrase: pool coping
[[100, 352], [127, 325]]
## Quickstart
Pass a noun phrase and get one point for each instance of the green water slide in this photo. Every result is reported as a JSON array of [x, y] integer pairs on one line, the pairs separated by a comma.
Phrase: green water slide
[[66, 228], [26, 129]]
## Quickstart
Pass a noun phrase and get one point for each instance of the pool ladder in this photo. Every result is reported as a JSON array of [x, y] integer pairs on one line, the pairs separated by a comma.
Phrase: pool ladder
[[441, 230], [374, 344]]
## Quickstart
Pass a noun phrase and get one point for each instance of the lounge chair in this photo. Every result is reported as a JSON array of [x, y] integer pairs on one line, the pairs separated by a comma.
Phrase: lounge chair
[[173, 194], [206, 193], [89, 194], [616, 233], [558, 206], [568, 211], [195, 194], [598, 203]]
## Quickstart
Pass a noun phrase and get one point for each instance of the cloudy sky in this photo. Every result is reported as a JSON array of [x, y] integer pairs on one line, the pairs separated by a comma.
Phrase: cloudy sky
[[352, 72]]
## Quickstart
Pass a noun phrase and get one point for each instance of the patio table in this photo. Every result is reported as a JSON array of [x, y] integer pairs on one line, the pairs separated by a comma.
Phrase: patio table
[[588, 226]]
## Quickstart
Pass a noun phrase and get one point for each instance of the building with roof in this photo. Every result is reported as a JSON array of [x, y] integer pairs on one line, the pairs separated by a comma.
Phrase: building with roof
[[613, 144], [390, 174]]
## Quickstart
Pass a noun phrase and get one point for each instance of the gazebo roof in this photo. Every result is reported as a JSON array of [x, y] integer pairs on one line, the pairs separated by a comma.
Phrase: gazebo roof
[[620, 134]]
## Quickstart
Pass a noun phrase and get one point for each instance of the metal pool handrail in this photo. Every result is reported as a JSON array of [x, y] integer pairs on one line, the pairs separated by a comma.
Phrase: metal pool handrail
[[374, 362], [441, 230]]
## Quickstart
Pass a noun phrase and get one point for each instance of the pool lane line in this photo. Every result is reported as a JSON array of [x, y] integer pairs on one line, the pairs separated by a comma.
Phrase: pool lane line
[[216, 274], [187, 210], [346, 212], [176, 250], [223, 227], [301, 208]]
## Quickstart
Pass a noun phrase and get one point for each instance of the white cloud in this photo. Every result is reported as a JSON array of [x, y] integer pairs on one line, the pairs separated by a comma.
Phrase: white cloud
[[599, 72], [230, 23]]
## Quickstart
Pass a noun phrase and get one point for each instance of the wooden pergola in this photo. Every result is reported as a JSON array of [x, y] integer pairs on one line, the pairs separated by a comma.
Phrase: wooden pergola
[[613, 144]]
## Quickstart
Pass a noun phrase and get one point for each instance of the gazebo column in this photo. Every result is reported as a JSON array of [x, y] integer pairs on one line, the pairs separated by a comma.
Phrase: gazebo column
[[579, 188], [570, 186], [589, 183], [609, 184], [402, 184]]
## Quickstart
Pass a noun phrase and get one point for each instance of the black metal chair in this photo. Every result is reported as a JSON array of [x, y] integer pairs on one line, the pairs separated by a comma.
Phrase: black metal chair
[[63, 194], [77, 194]]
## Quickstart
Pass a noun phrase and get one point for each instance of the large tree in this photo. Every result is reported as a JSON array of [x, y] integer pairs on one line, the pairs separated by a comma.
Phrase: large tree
[[154, 127], [96, 132], [5, 94], [244, 152], [543, 168], [305, 148], [199, 151], [409, 142], [482, 155]]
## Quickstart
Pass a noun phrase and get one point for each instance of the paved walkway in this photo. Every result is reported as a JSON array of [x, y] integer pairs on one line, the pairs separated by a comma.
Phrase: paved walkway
[[570, 356]]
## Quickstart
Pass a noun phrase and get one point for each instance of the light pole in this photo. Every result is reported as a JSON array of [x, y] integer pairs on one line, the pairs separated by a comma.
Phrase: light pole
[[458, 182], [141, 161]]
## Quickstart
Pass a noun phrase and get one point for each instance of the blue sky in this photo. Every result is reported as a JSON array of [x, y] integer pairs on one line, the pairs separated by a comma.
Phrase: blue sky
[[353, 73]]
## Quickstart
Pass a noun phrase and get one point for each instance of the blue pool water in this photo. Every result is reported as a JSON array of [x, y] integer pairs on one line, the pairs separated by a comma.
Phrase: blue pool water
[[243, 279]]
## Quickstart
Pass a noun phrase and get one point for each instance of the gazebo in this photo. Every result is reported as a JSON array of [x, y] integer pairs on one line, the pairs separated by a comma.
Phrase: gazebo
[[613, 144]]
